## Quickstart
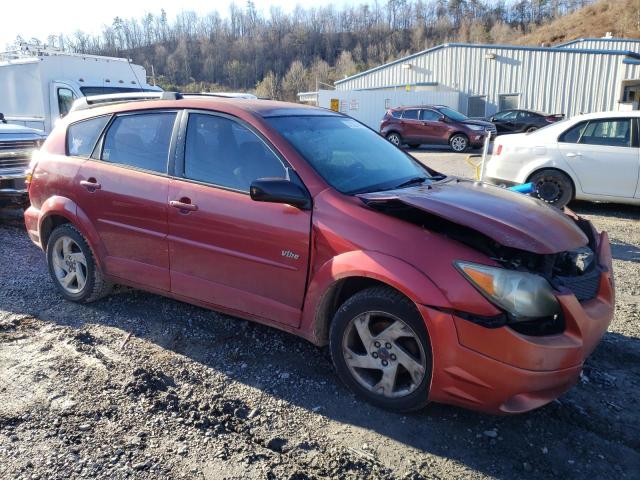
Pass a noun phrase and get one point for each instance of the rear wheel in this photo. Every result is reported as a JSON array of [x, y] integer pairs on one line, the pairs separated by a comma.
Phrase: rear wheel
[[553, 187], [531, 129], [381, 350], [72, 266], [459, 142], [395, 138]]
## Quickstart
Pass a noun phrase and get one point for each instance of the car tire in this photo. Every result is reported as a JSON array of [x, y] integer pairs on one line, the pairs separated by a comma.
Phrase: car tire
[[414, 145], [395, 138], [553, 187], [530, 129], [359, 359], [73, 268], [459, 142]]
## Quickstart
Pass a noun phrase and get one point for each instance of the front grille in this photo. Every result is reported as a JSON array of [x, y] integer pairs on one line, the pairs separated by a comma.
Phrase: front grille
[[584, 287], [18, 145], [16, 154]]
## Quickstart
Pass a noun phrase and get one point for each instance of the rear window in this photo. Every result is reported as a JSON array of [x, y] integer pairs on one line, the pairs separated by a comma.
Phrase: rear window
[[140, 140], [82, 136]]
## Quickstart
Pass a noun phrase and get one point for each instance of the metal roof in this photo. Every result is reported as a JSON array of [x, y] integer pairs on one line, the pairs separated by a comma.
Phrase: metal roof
[[555, 50], [596, 39]]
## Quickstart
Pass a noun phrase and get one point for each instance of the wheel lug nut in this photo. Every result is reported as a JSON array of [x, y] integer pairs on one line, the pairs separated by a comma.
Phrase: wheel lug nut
[[393, 357], [387, 345], [377, 344], [384, 363], [374, 354]]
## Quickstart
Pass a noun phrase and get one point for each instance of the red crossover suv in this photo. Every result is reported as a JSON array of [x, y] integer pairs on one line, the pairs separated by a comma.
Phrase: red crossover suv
[[434, 125], [425, 287]]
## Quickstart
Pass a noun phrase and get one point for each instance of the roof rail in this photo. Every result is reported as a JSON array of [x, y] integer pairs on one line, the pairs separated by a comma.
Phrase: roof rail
[[236, 95], [84, 103]]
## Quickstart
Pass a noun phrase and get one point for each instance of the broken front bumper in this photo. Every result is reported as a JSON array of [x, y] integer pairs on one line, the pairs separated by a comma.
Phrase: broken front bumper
[[502, 371]]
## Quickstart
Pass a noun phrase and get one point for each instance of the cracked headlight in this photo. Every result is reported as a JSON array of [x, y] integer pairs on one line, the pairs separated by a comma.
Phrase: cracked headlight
[[525, 296]]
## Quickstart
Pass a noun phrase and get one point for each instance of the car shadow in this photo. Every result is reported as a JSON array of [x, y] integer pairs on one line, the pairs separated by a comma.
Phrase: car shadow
[[258, 356]]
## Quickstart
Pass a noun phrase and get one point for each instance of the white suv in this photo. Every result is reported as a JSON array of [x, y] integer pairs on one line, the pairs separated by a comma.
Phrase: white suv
[[588, 157]]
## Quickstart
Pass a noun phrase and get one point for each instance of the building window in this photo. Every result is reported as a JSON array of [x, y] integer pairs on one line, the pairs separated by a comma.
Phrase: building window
[[509, 102], [477, 106]]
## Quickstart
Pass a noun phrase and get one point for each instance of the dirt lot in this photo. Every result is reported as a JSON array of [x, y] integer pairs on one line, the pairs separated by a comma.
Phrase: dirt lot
[[138, 386]]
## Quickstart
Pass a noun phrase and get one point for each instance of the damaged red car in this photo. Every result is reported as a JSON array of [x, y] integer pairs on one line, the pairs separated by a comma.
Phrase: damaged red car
[[427, 288]]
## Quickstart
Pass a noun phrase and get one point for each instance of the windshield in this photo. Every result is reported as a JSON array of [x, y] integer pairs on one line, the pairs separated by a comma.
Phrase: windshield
[[452, 114], [349, 156]]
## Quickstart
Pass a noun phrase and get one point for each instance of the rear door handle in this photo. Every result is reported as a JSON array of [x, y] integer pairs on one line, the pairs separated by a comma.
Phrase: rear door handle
[[183, 205], [90, 184], [573, 154]]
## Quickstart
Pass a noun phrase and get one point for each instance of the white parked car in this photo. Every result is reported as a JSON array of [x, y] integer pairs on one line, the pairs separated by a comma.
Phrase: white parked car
[[592, 157]]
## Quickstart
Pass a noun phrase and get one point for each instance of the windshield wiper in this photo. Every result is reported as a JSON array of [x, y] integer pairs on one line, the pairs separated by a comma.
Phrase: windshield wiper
[[411, 181]]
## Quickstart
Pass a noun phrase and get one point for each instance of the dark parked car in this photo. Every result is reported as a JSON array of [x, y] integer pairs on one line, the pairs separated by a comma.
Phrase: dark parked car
[[434, 125], [519, 121], [424, 287]]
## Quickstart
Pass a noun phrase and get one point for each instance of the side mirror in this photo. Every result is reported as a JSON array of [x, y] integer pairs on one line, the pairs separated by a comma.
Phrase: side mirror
[[279, 190], [492, 119], [442, 118]]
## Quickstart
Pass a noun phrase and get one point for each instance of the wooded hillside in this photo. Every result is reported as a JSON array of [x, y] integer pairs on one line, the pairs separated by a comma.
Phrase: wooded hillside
[[279, 54]]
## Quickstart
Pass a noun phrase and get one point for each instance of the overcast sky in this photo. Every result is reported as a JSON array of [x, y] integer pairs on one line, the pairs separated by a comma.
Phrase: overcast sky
[[40, 18]]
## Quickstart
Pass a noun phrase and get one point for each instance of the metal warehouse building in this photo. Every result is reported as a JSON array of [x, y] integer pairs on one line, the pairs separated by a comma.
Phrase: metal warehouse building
[[585, 75]]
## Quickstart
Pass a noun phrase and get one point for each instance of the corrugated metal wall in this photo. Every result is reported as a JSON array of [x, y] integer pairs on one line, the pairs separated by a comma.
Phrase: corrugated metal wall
[[624, 44], [549, 80], [369, 106]]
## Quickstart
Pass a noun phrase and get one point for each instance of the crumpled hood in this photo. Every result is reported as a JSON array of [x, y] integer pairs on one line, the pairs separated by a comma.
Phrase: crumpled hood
[[511, 219]]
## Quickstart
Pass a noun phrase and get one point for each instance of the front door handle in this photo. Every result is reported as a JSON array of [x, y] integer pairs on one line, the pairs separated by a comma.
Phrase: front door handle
[[184, 204], [92, 185], [573, 154]]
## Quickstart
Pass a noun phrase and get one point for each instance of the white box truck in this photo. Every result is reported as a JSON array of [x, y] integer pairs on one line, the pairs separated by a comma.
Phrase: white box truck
[[38, 85]]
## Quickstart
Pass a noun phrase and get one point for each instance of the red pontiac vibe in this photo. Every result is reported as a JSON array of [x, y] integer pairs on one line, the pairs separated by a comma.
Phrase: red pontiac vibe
[[425, 287]]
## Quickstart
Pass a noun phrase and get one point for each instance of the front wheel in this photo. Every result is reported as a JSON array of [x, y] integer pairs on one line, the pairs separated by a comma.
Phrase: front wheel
[[72, 266], [531, 129], [553, 187], [395, 138], [381, 349], [459, 142]]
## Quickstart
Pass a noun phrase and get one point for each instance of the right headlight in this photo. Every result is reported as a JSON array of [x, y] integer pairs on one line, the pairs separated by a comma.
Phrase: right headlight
[[525, 296]]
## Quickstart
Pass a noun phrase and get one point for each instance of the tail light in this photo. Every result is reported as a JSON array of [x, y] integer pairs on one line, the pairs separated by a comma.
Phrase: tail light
[[498, 149], [28, 173]]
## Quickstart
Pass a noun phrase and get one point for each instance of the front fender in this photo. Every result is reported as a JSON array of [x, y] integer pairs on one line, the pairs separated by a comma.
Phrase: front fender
[[384, 268]]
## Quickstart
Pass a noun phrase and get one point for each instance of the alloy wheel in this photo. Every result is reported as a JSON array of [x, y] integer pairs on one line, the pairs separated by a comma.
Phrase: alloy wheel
[[384, 354], [69, 264], [395, 139], [459, 143]]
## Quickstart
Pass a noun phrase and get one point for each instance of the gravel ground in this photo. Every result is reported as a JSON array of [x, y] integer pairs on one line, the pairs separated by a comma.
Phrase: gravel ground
[[139, 386]]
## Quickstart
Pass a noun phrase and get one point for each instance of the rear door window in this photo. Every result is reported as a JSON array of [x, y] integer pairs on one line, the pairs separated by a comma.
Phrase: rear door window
[[222, 152], [410, 114], [82, 136], [611, 133], [140, 140]]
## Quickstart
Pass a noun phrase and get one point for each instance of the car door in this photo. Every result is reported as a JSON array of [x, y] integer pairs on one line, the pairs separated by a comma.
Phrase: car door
[[505, 121], [604, 156], [124, 191], [413, 131], [226, 249], [435, 130]]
